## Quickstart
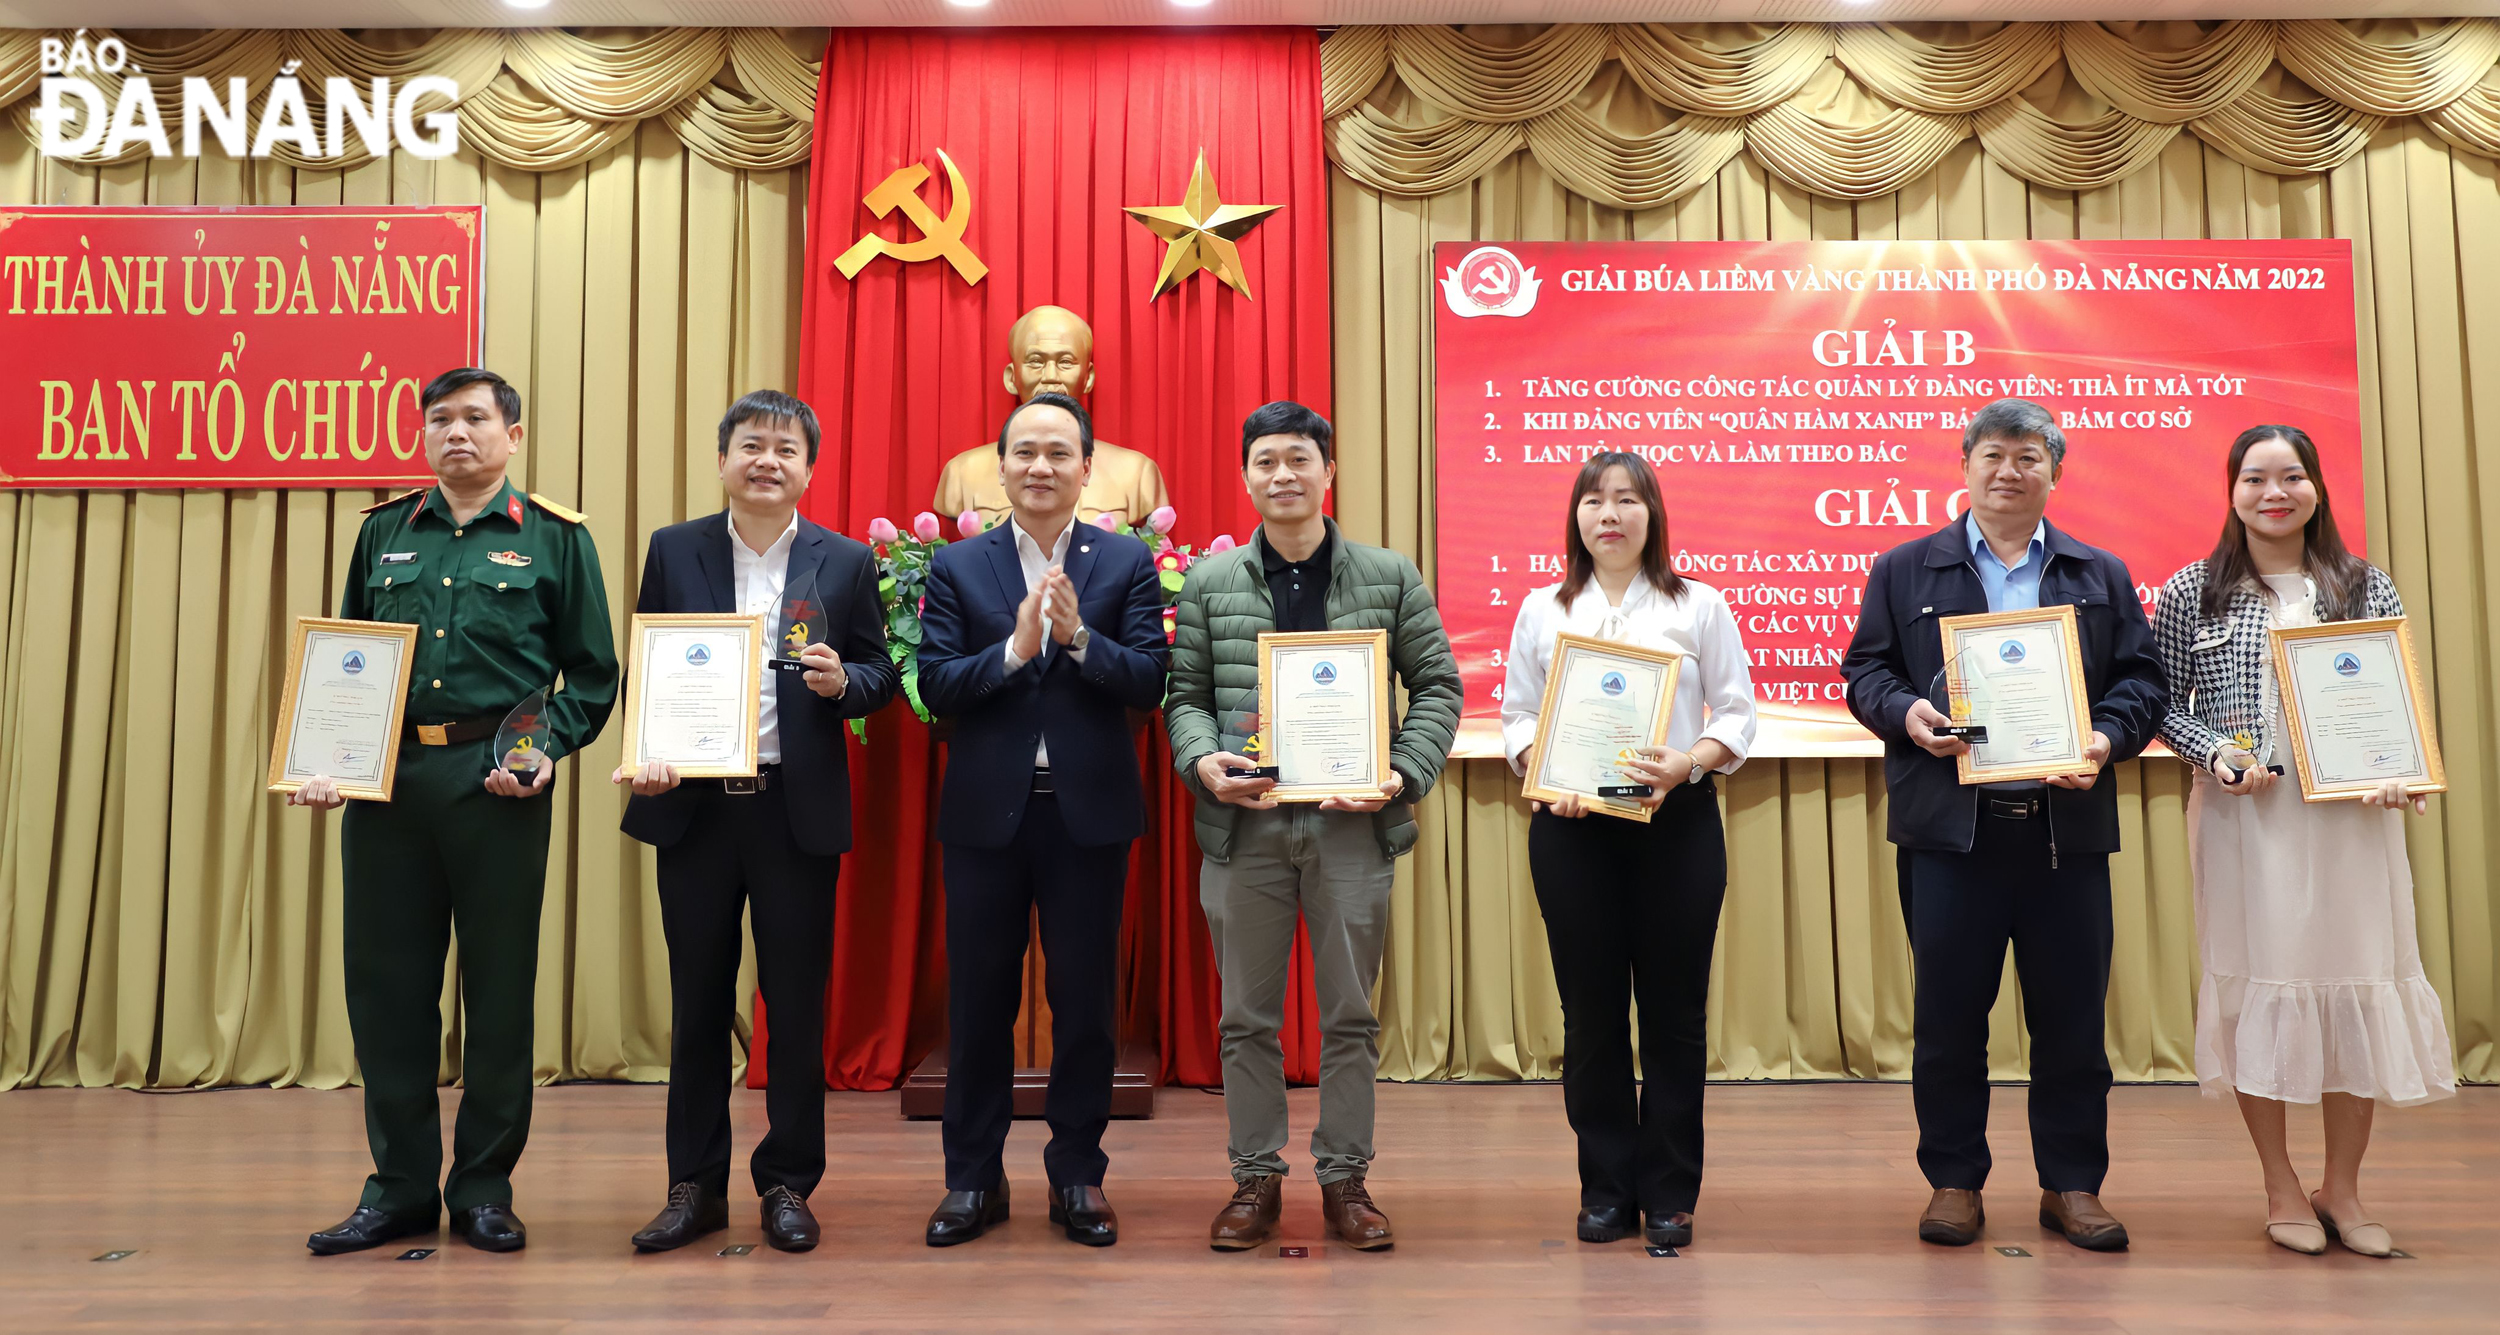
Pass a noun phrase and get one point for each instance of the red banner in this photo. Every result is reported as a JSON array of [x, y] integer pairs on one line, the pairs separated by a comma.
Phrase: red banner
[[229, 347], [1804, 403]]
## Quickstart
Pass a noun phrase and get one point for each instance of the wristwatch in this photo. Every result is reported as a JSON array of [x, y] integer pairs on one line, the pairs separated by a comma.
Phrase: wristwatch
[[1084, 636], [1698, 770]]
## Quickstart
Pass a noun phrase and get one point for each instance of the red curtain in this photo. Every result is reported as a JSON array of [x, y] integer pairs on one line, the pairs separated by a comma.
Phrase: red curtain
[[1055, 132]]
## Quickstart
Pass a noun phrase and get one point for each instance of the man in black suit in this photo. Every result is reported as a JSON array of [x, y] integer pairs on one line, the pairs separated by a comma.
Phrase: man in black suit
[[2021, 862], [1037, 638], [774, 842]]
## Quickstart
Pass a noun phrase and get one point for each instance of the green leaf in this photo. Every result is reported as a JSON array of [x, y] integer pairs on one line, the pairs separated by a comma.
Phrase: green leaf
[[1172, 581], [859, 728]]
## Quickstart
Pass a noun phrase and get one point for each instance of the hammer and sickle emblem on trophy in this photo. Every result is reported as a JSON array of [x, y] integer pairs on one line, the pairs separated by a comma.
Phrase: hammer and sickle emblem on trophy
[[938, 236]]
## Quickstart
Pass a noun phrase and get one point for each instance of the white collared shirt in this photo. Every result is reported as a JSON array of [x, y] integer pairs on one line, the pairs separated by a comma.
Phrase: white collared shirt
[[755, 579], [1716, 675], [1036, 563]]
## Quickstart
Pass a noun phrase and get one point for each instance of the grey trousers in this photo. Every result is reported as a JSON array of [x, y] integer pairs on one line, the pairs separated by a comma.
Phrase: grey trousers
[[1327, 868]]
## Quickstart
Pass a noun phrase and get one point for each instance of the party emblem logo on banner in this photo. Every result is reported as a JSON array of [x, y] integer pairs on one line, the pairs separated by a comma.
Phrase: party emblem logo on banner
[[1490, 281]]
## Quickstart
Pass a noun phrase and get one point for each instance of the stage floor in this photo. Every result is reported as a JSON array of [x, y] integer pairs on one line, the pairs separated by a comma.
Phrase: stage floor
[[1807, 1222]]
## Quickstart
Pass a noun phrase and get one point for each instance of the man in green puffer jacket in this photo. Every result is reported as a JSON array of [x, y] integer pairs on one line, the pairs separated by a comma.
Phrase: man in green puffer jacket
[[1328, 863]]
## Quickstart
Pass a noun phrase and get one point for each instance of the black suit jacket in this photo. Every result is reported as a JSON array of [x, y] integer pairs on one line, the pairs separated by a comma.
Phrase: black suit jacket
[[973, 590], [1898, 650], [689, 569]]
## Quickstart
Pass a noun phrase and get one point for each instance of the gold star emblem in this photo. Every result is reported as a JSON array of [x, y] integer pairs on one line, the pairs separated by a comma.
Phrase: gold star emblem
[[1199, 233]]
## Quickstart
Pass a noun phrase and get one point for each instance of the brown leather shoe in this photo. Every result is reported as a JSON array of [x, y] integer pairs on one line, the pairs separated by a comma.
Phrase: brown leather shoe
[[1953, 1218], [2078, 1215], [1348, 1208], [1251, 1216]]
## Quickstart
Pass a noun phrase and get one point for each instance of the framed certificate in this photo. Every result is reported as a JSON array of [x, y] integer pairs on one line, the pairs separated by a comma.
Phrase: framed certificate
[[1324, 713], [346, 692], [693, 684], [2019, 675], [1602, 702], [2354, 705]]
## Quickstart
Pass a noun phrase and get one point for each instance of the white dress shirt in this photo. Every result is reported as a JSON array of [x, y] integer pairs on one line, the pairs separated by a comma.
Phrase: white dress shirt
[[1036, 563], [1695, 623], [756, 579]]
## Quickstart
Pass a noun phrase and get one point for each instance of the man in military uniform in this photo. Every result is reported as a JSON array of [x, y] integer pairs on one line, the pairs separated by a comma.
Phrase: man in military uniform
[[505, 593], [1051, 351]]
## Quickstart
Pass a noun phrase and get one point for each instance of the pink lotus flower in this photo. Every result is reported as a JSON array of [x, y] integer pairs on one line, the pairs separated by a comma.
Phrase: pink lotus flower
[[968, 524], [1172, 561], [1107, 522], [1223, 543], [882, 530], [925, 527], [1162, 520]]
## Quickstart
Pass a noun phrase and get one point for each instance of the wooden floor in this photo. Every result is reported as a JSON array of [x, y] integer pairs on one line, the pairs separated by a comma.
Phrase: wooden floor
[[1806, 1223]]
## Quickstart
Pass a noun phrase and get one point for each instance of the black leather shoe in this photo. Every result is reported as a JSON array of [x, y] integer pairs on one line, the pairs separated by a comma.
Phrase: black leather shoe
[[1668, 1230], [1608, 1223], [491, 1228], [1086, 1214], [367, 1227], [689, 1214], [964, 1215], [789, 1226]]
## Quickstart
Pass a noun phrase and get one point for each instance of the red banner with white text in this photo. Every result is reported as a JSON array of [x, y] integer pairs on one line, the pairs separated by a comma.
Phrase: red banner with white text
[[228, 347], [1804, 401]]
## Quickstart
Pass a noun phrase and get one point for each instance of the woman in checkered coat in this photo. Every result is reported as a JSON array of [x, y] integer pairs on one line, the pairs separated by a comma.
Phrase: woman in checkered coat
[[2313, 990]]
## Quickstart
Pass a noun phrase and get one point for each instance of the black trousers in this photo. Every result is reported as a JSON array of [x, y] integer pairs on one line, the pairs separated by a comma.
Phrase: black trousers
[[1631, 913], [991, 895], [738, 854], [1967, 906]]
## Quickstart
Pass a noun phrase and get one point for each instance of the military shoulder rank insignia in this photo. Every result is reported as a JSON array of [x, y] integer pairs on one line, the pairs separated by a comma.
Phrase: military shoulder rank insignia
[[508, 558], [568, 516], [384, 505]]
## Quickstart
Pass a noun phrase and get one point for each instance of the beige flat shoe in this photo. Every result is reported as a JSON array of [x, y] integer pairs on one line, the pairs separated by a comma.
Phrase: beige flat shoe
[[2298, 1235], [2362, 1238]]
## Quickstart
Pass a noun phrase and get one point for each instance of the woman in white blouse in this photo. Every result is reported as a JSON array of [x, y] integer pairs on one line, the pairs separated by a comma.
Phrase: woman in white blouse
[[1631, 910]]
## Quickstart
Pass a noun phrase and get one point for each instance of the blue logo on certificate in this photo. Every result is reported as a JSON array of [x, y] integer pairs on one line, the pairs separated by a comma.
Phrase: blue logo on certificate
[[353, 663], [698, 655], [2011, 651], [1612, 683], [1324, 672], [2347, 666]]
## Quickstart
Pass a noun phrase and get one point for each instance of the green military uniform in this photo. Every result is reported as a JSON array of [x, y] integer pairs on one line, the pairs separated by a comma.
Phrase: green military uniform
[[503, 606]]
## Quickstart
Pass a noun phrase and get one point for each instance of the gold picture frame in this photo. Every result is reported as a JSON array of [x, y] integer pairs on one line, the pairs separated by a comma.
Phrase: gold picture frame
[[383, 764], [1567, 647], [750, 630], [2067, 760], [1374, 645], [2391, 636]]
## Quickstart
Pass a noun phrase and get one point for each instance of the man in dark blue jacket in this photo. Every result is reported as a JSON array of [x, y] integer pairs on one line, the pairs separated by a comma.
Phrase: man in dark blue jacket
[[1984, 864], [771, 845], [1037, 638]]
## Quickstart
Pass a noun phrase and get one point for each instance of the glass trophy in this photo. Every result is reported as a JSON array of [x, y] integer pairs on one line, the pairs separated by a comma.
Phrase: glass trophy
[[2242, 724], [1250, 745], [521, 742], [1625, 789], [802, 624], [1963, 705]]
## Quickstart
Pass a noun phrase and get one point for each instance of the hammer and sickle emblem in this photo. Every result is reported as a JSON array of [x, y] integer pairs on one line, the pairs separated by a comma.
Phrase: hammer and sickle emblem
[[938, 236]]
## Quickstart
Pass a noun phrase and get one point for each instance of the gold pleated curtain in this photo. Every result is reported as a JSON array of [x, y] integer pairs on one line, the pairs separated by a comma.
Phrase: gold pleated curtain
[[163, 922], [2381, 132]]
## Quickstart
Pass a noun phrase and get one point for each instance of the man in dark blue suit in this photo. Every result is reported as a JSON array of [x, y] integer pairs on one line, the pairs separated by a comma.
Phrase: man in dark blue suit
[[772, 843], [1037, 638]]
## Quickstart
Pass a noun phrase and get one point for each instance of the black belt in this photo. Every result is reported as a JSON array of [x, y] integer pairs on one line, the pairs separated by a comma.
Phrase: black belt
[[1041, 780], [2013, 808], [466, 730], [746, 786]]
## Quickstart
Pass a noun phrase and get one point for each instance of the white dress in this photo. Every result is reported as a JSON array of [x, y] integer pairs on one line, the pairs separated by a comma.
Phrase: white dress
[[2313, 974]]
